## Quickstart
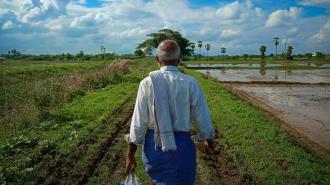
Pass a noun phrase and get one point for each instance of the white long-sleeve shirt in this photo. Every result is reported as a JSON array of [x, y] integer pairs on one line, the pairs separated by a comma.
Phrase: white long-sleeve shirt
[[187, 106]]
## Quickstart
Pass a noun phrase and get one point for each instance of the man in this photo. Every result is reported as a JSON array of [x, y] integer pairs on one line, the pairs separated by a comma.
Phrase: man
[[167, 104]]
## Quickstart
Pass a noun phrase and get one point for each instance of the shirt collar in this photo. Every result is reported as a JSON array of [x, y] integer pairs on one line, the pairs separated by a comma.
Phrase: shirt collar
[[169, 68]]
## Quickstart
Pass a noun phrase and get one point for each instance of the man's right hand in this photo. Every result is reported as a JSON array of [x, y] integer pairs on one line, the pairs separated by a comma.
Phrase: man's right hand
[[130, 164], [206, 147], [209, 147], [130, 159]]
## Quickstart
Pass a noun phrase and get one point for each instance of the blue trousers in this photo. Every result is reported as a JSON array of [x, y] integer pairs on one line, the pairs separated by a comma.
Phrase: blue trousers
[[173, 167]]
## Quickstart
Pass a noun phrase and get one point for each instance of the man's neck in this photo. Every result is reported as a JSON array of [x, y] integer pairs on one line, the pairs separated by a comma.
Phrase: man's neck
[[162, 65]]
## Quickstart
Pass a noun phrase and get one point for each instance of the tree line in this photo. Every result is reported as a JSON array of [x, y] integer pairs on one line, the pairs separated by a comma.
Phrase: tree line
[[147, 48], [188, 47]]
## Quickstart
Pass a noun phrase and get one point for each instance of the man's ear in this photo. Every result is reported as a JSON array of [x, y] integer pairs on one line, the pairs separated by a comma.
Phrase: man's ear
[[157, 60]]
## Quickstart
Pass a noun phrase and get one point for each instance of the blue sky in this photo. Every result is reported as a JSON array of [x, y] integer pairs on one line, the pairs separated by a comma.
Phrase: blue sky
[[61, 26]]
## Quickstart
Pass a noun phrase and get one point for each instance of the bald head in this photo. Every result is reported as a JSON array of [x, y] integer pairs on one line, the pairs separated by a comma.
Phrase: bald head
[[168, 51]]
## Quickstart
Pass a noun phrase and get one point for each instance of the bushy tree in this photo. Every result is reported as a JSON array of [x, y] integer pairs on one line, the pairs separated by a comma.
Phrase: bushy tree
[[319, 55], [308, 55], [245, 56], [156, 38], [139, 52]]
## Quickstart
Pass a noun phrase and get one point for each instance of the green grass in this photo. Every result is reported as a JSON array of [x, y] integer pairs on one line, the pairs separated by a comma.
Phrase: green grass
[[72, 133], [69, 126], [59, 148], [29, 92]]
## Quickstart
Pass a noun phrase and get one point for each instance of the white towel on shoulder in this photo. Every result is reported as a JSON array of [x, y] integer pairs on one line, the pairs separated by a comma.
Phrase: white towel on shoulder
[[164, 136]]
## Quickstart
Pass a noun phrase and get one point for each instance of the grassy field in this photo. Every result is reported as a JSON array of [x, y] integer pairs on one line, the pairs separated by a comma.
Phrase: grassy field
[[70, 120], [29, 90]]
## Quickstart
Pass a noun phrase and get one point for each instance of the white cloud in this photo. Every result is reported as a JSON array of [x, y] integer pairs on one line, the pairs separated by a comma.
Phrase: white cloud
[[315, 2], [283, 17], [55, 24], [89, 19], [230, 11], [138, 31], [237, 12], [293, 30], [323, 36], [27, 10], [230, 32], [32, 13], [7, 25], [120, 25]]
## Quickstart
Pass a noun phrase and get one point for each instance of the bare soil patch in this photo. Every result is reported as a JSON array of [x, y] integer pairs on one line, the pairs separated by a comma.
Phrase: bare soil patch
[[225, 169]]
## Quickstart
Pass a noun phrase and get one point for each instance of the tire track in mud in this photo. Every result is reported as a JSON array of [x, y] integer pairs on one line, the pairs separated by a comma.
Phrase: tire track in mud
[[224, 169], [100, 156], [62, 168], [114, 161]]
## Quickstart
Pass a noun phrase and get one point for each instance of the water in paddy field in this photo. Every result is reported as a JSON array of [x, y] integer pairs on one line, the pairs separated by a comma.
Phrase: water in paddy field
[[263, 74], [305, 107], [249, 65]]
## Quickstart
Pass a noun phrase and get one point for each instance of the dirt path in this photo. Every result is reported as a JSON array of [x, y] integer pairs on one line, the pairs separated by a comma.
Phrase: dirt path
[[101, 156], [65, 168], [222, 169]]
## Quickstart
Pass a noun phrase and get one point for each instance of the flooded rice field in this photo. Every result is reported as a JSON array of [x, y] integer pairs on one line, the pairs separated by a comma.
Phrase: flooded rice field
[[304, 107], [252, 75], [252, 65]]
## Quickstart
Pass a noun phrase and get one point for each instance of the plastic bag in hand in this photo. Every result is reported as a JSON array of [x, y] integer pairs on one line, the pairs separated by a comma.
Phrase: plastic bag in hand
[[131, 179]]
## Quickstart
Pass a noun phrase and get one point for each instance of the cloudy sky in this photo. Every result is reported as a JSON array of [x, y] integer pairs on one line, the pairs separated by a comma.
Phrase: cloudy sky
[[61, 26]]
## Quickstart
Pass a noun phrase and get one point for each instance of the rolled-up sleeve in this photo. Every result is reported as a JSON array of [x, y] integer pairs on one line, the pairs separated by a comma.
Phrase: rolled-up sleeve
[[200, 113], [139, 123]]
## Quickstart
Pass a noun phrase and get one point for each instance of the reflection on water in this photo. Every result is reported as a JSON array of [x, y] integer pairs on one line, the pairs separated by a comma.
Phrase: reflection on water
[[306, 108], [287, 75], [262, 68], [223, 71], [321, 65]]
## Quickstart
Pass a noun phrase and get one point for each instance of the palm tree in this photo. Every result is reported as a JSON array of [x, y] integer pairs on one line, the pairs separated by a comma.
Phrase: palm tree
[[262, 51], [193, 47], [103, 51], [14, 52], [289, 53], [81, 55], [276, 42], [223, 51], [200, 44], [207, 47]]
